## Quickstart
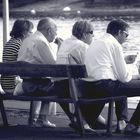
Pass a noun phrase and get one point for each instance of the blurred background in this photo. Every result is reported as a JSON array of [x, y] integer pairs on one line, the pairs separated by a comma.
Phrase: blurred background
[[67, 12]]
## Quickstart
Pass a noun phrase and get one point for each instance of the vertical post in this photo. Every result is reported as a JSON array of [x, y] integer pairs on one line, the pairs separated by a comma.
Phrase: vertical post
[[30, 113], [3, 113], [110, 117], [5, 21]]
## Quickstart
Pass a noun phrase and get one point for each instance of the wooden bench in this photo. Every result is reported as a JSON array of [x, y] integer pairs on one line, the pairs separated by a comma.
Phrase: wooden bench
[[72, 72]]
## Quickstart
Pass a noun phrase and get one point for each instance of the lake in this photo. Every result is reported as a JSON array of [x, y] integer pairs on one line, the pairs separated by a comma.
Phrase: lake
[[132, 44], [65, 25]]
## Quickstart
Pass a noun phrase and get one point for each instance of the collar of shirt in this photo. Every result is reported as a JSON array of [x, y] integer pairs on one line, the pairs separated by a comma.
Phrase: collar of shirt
[[111, 38]]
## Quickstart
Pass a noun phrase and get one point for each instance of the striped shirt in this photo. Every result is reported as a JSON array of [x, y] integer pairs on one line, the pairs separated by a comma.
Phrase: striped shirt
[[10, 53]]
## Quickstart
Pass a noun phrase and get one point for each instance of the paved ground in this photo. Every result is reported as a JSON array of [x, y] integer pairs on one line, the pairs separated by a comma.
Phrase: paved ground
[[19, 130]]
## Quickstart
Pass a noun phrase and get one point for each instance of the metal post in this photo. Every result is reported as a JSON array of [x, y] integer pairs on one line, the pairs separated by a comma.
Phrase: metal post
[[5, 21]]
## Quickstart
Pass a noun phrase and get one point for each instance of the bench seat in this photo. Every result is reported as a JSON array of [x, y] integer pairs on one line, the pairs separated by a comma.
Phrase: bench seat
[[71, 72]]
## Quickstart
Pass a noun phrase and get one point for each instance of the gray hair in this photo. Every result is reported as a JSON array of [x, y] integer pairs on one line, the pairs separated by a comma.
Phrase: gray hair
[[81, 27], [45, 23]]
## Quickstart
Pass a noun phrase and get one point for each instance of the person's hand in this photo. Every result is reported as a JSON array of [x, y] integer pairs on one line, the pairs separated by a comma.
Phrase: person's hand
[[136, 77], [130, 59], [58, 41]]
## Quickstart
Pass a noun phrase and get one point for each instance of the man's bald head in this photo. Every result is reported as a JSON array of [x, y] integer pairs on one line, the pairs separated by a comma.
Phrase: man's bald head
[[48, 28]]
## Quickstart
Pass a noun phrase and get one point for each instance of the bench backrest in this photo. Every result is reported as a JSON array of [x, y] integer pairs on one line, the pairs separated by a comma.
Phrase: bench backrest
[[42, 70]]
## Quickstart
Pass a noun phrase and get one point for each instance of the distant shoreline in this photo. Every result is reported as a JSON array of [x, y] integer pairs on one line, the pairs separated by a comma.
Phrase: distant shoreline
[[84, 9], [73, 14]]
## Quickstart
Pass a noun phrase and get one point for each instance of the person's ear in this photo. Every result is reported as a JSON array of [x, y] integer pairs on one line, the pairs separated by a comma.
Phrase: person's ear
[[84, 35], [48, 30], [119, 33], [24, 35]]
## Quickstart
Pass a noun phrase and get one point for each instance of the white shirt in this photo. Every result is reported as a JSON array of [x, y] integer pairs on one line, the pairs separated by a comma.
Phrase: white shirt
[[74, 48], [104, 60], [36, 49]]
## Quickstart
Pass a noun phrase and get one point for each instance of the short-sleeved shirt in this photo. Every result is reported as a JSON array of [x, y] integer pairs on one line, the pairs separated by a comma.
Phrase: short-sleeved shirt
[[10, 53]]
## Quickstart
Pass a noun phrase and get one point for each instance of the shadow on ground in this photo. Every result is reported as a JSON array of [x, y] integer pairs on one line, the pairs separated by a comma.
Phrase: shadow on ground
[[63, 133], [19, 130]]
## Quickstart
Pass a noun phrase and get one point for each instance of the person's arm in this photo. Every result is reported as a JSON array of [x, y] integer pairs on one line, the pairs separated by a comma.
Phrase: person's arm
[[119, 65], [58, 41], [136, 77], [129, 59]]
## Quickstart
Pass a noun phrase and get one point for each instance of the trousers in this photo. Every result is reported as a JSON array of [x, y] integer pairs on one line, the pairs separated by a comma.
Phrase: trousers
[[108, 88]]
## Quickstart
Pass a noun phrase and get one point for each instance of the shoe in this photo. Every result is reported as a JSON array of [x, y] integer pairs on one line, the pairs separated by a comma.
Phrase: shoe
[[41, 123], [132, 130], [49, 124], [121, 126], [86, 126], [33, 122], [87, 129]]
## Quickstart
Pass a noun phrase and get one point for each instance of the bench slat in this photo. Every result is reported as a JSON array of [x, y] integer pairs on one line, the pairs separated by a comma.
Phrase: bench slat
[[101, 100], [46, 70], [37, 98], [72, 72]]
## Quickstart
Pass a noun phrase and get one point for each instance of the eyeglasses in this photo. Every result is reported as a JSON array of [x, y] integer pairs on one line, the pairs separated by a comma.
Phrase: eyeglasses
[[126, 33], [90, 32]]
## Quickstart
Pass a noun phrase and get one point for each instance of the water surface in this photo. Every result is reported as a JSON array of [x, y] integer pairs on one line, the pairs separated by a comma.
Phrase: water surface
[[132, 45]]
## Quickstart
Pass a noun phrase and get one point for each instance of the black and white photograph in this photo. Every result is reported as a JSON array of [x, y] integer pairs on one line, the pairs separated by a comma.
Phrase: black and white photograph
[[69, 69]]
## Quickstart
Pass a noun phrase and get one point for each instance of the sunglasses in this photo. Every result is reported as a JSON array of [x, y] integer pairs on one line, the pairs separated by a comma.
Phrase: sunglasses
[[126, 33], [90, 32]]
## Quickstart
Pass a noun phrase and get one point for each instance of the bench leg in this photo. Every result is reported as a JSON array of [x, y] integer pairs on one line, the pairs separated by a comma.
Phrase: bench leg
[[3, 113], [74, 92], [79, 118], [30, 113], [110, 118]]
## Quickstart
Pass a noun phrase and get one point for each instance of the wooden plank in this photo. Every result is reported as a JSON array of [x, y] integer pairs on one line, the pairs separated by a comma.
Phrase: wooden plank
[[110, 117], [36, 98], [72, 72], [101, 100], [42, 70]]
